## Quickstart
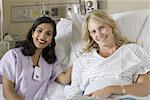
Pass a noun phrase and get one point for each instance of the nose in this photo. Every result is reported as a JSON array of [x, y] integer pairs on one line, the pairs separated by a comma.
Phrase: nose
[[98, 33], [42, 35]]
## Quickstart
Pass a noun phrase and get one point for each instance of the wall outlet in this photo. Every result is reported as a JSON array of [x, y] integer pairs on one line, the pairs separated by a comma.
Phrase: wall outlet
[[54, 11]]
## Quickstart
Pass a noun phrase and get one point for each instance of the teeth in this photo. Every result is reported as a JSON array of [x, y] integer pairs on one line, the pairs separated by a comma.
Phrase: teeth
[[103, 38], [42, 42]]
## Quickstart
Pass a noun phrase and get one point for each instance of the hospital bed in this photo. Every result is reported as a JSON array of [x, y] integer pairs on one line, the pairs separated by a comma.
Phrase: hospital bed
[[133, 24]]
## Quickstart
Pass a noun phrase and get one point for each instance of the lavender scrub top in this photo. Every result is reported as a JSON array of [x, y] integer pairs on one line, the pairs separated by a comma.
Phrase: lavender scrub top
[[19, 69]]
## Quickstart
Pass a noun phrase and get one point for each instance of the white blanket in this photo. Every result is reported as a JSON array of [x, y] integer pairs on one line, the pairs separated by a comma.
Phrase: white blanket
[[1, 93], [99, 85]]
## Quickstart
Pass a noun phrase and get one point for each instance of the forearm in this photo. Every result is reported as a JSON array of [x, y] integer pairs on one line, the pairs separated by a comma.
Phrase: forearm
[[139, 88], [12, 96], [9, 90], [65, 77], [132, 89]]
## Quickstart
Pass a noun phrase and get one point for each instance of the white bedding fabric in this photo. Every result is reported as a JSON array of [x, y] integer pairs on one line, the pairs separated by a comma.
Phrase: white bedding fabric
[[1, 93], [125, 97], [99, 85]]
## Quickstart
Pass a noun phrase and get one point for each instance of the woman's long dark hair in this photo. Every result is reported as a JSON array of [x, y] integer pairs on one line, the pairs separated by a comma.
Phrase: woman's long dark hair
[[28, 47]]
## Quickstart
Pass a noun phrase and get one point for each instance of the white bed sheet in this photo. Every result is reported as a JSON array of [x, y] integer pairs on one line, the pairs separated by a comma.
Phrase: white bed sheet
[[55, 92], [59, 94], [125, 97], [98, 85], [1, 93]]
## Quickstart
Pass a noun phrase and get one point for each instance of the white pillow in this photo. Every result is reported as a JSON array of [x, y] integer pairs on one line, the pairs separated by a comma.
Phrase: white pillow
[[55, 92], [63, 47], [63, 37], [144, 38], [130, 23], [77, 20], [135, 25], [77, 42]]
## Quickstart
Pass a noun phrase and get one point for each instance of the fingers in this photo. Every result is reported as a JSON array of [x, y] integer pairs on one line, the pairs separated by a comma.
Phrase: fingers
[[88, 94], [91, 95]]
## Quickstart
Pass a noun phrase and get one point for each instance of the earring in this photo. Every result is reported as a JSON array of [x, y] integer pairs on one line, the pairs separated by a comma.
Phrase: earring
[[49, 45]]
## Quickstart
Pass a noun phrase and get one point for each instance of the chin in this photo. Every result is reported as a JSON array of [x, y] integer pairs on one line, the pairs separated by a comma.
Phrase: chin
[[41, 47]]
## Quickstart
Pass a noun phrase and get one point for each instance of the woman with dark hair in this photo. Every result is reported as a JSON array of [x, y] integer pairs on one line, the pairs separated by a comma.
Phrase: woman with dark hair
[[28, 69]]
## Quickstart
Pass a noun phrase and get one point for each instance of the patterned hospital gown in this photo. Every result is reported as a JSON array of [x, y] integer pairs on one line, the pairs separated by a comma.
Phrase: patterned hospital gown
[[19, 69], [125, 64]]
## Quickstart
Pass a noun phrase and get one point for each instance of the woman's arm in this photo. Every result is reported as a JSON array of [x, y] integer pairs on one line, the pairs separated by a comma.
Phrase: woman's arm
[[141, 84], [8, 90], [65, 77], [140, 88]]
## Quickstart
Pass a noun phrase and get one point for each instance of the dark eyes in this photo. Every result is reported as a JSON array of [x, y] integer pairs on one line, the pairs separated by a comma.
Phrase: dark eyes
[[93, 31], [47, 33], [99, 29], [39, 31]]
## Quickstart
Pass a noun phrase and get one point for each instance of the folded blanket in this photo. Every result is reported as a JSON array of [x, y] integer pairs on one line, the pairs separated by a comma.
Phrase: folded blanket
[[101, 83]]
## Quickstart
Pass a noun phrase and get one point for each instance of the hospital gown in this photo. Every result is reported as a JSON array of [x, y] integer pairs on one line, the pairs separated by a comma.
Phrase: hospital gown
[[121, 68]]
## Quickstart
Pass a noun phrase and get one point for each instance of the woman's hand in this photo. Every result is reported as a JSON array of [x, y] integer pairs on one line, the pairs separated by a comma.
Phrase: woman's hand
[[65, 77], [105, 92], [9, 90]]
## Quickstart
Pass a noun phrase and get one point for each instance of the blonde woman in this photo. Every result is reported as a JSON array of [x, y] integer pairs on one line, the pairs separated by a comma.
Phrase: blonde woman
[[110, 64]]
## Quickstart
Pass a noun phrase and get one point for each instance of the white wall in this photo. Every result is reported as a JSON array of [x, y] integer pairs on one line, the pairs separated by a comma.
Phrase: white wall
[[22, 27], [114, 6]]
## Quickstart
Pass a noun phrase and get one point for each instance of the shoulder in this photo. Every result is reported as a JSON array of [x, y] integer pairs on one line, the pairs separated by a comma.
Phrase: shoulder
[[88, 54], [56, 62], [132, 46], [135, 48], [57, 67], [16, 51], [85, 58], [12, 53]]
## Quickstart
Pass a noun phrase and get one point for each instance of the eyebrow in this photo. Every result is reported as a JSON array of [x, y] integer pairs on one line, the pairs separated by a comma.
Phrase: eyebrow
[[43, 29], [40, 28]]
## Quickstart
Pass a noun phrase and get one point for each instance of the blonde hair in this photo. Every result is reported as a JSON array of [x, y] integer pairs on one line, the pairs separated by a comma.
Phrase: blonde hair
[[102, 17]]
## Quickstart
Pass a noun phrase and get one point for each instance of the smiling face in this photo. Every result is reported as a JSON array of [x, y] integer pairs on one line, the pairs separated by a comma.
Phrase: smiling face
[[101, 33], [42, 36]]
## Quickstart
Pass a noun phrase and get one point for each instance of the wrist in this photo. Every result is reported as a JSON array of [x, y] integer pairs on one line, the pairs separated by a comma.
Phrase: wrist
[[123, 89]]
